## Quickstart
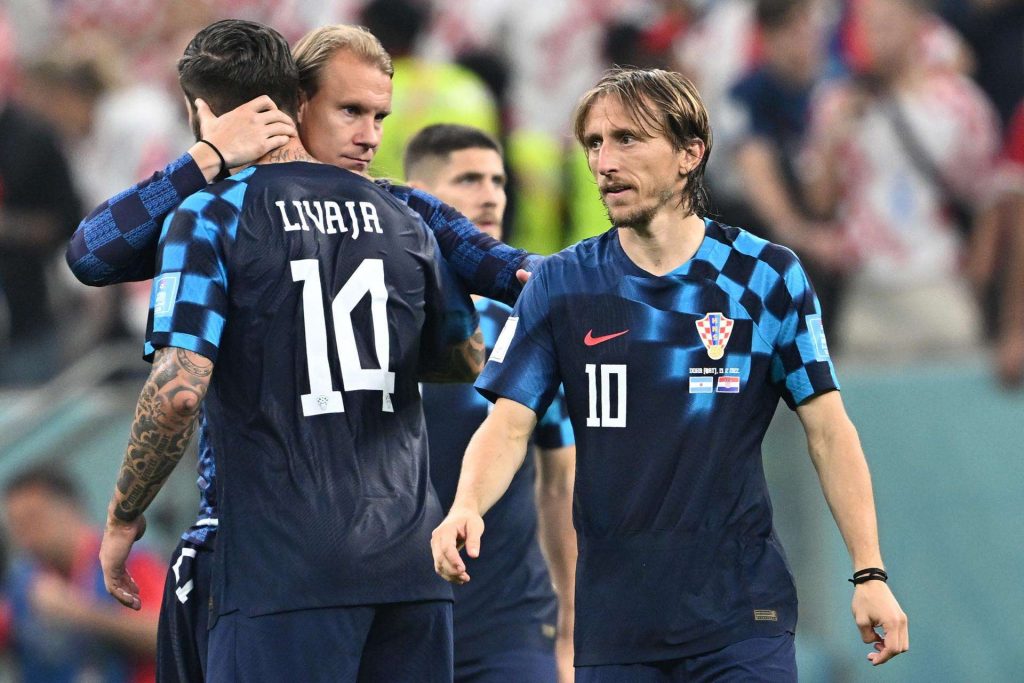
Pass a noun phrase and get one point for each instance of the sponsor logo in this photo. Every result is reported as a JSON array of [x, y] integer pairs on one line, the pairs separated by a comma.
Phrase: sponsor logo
[[766, 615], [714, 330], [701, 385], [591, 340], [728, 384], [165, 291]]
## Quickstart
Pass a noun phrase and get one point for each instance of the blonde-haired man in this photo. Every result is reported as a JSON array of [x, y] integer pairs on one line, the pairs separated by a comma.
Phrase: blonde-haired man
[[675, 337]]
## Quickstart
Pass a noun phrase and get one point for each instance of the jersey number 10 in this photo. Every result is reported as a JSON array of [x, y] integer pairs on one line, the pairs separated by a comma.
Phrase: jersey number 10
[[368, 278], [609, 373]]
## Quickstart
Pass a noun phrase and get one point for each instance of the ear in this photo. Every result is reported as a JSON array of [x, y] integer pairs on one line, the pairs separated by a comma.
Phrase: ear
[[303, 103], [690, 156]]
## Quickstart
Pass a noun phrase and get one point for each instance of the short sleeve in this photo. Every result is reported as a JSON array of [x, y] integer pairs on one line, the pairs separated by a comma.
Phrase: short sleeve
[[523, 366], [554, 430], [189, 300], [801, 366]]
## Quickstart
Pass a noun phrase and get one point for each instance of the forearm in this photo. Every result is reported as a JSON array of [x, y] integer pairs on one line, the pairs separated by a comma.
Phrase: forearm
[[99, 252], [1012, 314], [494, 455], [557, 536], [486, 266], [165, 419], [462, 362], [766, 193], [846, 483]]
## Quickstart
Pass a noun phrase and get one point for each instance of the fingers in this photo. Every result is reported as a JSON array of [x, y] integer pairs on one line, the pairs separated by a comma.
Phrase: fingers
[[474, 530], [523, 275], [896, 641], [124, 589], [447, 562]]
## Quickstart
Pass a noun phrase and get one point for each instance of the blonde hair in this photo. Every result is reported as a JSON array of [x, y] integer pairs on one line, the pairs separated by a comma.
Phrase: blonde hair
[[317, 47], [659, 103]]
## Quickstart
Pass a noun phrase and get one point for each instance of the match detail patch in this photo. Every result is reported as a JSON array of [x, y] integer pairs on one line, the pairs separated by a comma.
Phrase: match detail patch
[[817, 332], [165, 292], [504, 340]]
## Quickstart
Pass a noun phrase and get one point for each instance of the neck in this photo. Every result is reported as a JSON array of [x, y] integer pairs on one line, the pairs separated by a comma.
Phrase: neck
[[293, 150], [665, 244]]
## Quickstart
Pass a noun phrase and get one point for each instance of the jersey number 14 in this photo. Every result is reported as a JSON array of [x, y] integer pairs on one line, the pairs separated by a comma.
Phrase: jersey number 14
[[368, 278]]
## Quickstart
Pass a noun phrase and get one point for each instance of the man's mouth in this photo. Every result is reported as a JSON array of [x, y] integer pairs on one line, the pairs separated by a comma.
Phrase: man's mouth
[[613, 191]]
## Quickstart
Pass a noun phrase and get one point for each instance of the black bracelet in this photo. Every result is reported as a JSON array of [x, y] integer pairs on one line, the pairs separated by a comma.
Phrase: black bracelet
[[869, 574], [224, 172]]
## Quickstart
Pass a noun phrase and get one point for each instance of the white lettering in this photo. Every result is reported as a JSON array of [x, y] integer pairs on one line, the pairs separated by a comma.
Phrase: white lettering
[[351, 206], [333, 211], [318, 219], [370, 221], [288, 225]]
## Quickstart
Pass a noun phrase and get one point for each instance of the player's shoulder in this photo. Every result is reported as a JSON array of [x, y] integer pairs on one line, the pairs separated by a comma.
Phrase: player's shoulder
[[588, 253], [745, 247], [230, 191], [489, 308]]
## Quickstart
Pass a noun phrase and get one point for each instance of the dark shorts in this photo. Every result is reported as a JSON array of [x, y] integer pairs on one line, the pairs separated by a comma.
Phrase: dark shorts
[[536, 666], [398, 642], [757, 659], [184, 613]]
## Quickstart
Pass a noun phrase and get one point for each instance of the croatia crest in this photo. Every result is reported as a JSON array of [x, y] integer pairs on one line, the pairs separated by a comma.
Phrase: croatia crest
[[714, 330]]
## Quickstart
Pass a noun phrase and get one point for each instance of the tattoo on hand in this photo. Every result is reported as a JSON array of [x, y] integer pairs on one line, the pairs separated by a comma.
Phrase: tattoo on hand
[[464, 362], [165, 420]]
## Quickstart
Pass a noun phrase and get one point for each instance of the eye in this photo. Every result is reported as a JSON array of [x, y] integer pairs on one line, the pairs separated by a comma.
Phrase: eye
[[594, 144], [627, 139]]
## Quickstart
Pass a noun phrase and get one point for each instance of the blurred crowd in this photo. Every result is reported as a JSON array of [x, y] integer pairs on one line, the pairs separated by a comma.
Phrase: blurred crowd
[[882, 140]]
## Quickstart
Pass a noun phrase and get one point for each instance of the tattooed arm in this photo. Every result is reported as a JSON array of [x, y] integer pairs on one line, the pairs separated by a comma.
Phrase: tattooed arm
[[165, 419], [463, 362]]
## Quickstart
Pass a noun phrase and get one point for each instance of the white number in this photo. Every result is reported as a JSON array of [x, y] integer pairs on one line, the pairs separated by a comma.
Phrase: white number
[[368, 278], [607, 372]]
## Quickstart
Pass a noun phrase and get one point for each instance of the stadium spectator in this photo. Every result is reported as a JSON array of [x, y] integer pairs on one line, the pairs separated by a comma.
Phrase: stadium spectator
[[62, 625], [675, 337], [354, 461], [38, 210], [425, 91], [903, 157], [773, 102], [506, 622]]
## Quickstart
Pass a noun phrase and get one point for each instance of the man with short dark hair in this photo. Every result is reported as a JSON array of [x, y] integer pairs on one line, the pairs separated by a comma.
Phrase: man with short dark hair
[[60, 623], [320, 447], [675, 337], [509, 625]]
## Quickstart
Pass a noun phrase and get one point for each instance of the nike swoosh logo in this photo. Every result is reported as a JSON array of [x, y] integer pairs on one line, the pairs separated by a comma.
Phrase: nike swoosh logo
[[591, 340]]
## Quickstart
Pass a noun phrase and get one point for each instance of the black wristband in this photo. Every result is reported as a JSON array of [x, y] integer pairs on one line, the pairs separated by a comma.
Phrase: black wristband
[[224, 172], [869, 574]]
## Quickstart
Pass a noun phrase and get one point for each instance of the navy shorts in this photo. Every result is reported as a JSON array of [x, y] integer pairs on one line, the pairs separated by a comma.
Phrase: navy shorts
[[536, 666], [399, 642], [757, 659], [184, 613]]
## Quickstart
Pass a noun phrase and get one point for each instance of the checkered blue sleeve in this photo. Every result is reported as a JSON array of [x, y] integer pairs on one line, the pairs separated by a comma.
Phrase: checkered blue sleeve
[[451, 317], [523, 365], [189, 301], [117, 242], [486, 266], [554, 430], [801, 366]]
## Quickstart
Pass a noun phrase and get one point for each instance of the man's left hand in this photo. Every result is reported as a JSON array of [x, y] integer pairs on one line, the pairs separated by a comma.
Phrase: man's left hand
[[874, 605], [118, 538]]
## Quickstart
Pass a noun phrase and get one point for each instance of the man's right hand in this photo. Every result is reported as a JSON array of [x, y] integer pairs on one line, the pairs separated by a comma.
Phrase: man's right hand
[[462, 527], [874, 606], [245, 133]]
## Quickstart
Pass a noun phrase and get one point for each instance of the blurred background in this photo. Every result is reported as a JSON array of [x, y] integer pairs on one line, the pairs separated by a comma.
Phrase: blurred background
[[882, 140]]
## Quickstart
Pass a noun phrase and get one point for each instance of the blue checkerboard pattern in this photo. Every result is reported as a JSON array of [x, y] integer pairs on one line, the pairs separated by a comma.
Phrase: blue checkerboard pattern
[[672, 508], [194, 248], [117, 241]]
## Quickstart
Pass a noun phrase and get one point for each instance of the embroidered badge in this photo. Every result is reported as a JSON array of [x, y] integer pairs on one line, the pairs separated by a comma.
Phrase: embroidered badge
[[714, 330]]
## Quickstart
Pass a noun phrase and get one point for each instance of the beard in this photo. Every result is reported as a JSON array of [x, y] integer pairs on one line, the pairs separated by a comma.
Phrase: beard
[[641, 216]]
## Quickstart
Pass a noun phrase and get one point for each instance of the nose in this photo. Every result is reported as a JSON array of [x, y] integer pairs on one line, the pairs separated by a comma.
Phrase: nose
[[368, 134], [606, 161]]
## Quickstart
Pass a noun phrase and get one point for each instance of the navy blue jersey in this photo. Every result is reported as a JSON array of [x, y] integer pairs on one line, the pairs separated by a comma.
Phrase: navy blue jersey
[[317, 295], [671, 383], [509, 603]]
